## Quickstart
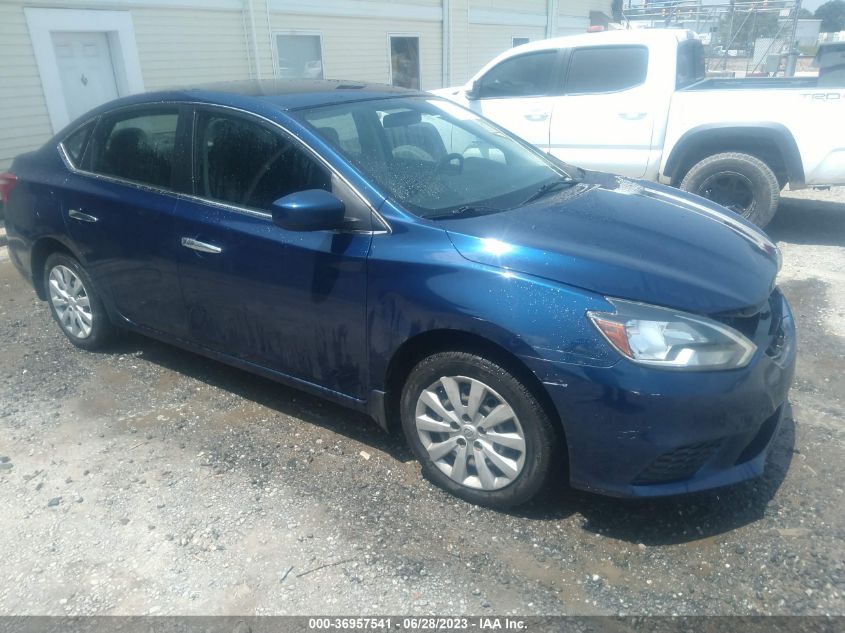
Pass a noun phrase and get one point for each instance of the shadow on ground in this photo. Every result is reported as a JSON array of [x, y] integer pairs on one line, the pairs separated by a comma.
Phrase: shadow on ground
[[652, 522], [815, 222]]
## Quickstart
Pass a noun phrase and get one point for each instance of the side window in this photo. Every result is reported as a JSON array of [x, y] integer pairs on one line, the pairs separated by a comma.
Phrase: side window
[[244, 163], [606, 69], [75, 143], [527, 75], [137, 146]]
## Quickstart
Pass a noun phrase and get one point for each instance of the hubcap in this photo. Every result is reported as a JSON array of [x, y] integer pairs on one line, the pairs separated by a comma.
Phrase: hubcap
[[71, 302], [470, 432], [730, 189]]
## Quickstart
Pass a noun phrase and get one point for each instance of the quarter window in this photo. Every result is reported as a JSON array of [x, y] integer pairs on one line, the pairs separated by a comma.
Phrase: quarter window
[[75, 143], [522, 76], [244, 163], [606, 69], [300, 56], [137, 147]]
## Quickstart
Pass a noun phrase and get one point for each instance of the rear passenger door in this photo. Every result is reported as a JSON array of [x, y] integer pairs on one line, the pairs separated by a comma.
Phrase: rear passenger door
[[519, 93], [290, 301], [606, 117], [118, 204]]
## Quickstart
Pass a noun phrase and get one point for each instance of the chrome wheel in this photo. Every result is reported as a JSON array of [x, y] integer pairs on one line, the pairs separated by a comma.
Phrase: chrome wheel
[[470, 432], [71, 302]]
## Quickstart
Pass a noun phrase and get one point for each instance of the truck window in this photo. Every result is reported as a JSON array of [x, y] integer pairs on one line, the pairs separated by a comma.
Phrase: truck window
[[522, 76], [606, 69], [690, 63]]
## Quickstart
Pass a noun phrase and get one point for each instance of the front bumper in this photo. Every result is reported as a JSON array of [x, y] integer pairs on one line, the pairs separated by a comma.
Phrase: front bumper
[[633, 431]]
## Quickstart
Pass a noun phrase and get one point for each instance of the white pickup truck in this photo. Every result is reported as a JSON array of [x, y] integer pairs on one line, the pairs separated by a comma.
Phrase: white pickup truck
[[637, 103]]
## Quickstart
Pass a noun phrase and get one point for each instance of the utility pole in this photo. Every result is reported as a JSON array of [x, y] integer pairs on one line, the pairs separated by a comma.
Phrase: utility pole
[[792, 57]]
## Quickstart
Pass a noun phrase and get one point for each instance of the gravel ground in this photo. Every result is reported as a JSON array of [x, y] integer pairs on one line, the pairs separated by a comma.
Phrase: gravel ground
[[151, 480]]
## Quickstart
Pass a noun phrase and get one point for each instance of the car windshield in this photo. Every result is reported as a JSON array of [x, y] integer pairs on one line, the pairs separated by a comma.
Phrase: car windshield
[[435, 158]]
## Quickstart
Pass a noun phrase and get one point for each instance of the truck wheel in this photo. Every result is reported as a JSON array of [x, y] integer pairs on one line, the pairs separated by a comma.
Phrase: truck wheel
[[740, 182]]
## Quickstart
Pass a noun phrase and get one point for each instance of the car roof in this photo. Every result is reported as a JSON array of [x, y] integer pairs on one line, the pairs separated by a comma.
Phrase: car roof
[[279, 93]]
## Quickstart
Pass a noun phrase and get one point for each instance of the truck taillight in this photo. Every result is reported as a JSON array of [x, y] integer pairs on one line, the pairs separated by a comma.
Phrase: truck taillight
[[7, 183]]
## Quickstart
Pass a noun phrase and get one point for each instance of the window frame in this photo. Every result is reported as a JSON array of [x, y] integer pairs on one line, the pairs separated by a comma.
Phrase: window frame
[[570, 58], [277, 68], [555, 84], [275, 128], [390, 37], [179, 169]]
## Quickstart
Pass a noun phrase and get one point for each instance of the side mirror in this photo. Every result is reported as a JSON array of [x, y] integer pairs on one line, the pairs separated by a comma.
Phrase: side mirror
[[309, 210], [474, 91]]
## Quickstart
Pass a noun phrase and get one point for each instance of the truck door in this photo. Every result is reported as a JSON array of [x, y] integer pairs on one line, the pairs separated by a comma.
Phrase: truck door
[[519, 94], [605, 118]]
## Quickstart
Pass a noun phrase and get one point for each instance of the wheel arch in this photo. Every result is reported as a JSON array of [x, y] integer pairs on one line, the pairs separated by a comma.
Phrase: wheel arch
[[385, 406], [772, 143], [41, 250]]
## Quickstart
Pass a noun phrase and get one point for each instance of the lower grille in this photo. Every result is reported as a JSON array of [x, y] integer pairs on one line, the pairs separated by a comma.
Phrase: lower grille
[[680, 463]]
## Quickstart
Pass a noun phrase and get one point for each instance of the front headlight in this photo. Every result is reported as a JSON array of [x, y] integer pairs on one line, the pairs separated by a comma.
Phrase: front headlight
[[671, 339]]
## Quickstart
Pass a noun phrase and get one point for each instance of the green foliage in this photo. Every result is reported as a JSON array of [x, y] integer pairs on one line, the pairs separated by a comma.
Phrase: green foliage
[[832, 15]]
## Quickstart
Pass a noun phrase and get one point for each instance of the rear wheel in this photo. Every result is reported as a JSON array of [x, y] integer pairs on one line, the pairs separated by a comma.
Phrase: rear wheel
[[74, 304], [477, 431], [740, 182]]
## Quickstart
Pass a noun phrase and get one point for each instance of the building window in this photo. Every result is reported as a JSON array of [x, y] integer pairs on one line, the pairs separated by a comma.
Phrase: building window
[[519, 41], [300, 55], [405, 61]]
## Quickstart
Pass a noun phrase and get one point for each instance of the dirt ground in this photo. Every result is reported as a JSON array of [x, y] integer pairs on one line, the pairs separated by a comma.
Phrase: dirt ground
[[148, 480]]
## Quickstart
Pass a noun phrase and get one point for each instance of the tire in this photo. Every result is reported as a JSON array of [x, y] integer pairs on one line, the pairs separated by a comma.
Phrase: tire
[[741, 182], [518, 472], [85, 322]]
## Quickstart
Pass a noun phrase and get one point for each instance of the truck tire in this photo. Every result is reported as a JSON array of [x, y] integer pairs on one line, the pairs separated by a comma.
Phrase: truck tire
[[740, 182]]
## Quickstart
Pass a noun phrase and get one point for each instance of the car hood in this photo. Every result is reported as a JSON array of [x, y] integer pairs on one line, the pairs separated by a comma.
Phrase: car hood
[[632, 240]]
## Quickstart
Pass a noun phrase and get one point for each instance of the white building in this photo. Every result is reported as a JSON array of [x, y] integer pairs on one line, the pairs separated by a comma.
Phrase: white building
[[59, 58]]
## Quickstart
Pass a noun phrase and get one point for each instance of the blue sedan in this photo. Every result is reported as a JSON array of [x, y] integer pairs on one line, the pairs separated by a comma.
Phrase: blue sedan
[[400, 255]]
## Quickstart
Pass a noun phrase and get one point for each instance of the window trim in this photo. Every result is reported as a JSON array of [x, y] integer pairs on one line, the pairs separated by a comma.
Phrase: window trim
[[555, 88], [571, 58], [93, 121], [277, 70], [390, 36]]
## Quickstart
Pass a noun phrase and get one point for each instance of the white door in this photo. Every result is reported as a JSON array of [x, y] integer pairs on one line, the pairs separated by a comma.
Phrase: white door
[[606, 117], [86, 70], [518, 94]]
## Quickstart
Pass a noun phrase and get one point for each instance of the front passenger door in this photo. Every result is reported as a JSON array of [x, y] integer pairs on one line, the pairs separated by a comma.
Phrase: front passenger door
[[290, 301]]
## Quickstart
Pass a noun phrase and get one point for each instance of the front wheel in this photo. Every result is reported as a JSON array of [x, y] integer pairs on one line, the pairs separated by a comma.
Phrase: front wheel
[[477, 430], [75, 306], [740, 182]]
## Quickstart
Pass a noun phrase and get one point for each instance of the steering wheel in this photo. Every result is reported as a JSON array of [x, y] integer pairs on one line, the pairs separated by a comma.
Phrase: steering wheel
[[447, 161]]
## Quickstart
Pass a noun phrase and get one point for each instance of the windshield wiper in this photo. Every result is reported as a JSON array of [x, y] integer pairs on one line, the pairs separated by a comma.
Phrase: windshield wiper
[[551, 186], [469, 209]]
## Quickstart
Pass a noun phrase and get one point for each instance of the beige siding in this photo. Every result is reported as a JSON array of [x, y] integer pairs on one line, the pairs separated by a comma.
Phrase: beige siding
[[358, 48], [24, 123], [181, 46]]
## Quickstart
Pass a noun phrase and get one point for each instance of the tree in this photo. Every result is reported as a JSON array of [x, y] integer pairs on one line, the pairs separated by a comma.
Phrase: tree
[[803, 14], [832, 15]]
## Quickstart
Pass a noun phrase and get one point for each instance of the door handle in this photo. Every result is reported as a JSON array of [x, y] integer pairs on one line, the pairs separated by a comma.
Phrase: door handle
[[76, 214], [202, 247], [537, 116], [633, 116]]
